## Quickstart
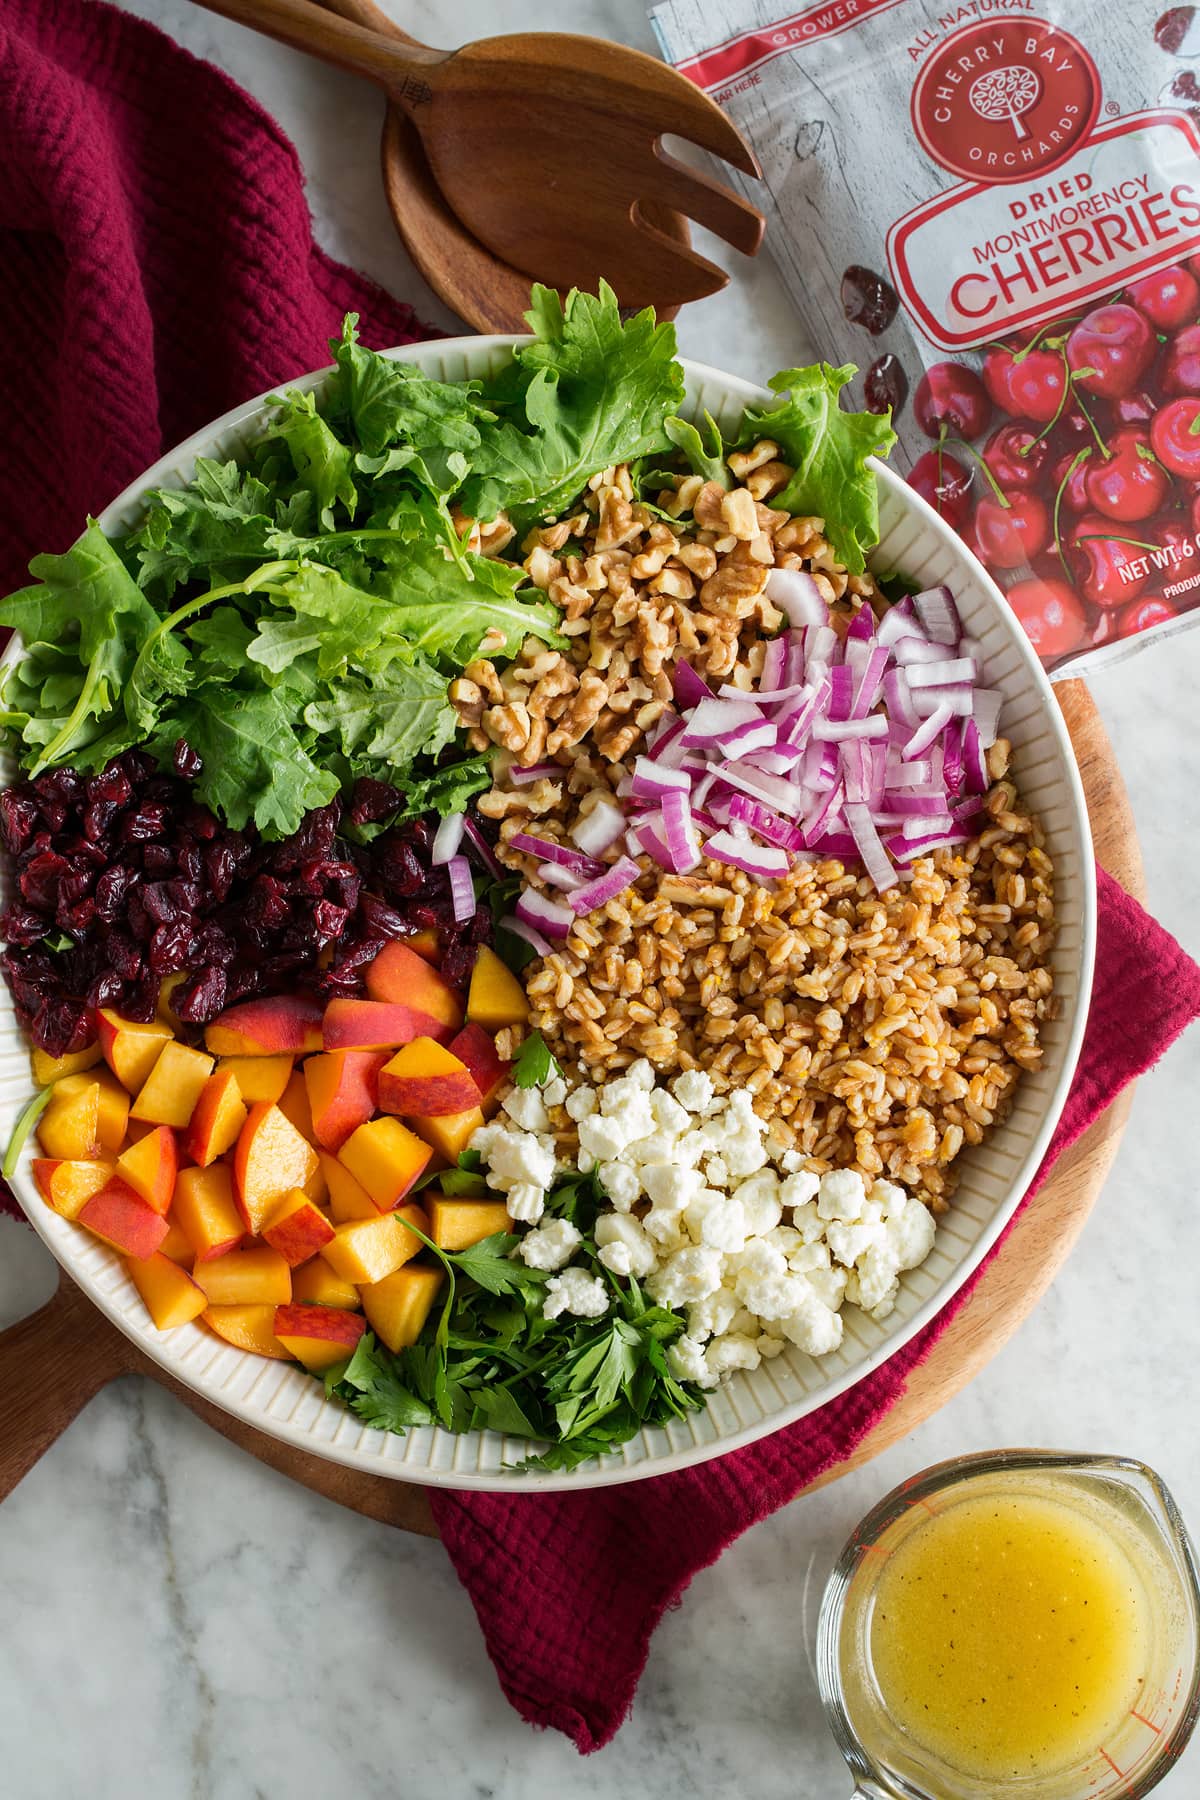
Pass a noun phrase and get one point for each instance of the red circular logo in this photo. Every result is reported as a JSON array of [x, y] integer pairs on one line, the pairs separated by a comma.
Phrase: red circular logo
[[1003, 101]]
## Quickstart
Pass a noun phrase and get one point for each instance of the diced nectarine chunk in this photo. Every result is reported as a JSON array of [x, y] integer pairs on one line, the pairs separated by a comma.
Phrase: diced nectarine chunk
[[249, 1327], [377, 1024], [368, 1249], [348, 1199], [48, 1069], [177, 1245], [297, 1229], [425, 1077], [271, 1157], [477, 1049], [173, 1086], [448, 1133], [317, 1283], [114, 1109], [427, 943], [205, 1208], [69, 1129], [285, 1023], [343, 1092], [398, 1306], [68, 1186], [318, 1336], [495, 998], [457, 1224], [130, 1048], [385, 1159], [258, 1077], [217, 1120], [256, 1277], [123, 1219], [150, 1167], [171, 1296], [398, 974]]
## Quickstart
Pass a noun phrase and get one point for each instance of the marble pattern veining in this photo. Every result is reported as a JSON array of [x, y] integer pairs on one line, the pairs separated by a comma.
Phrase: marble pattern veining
[[182, 1623]]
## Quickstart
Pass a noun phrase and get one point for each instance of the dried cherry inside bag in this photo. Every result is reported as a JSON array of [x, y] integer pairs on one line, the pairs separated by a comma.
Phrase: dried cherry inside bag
[[993, 209]]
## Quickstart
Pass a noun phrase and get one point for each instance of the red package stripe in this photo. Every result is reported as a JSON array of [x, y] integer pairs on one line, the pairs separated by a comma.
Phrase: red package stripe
[[739, 56]]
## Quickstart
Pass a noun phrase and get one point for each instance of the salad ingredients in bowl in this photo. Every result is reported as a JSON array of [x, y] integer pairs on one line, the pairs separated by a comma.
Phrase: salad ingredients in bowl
[[512, 914]]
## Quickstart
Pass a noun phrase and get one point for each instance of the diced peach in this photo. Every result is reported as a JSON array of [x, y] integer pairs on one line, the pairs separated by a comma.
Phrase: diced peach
[[285, 1023], [69, 1129], [365, 1250], [177, 1245], [130, 1047], [318, 1336], [298, 1229], [495, 997], [316, 1187], [343, 1092], [256, 1277], [477, 1049], [293, 1104], [173, 1086], [114, 1109], [136, 1130], [68, 1186], [248, 1327], [448, 1133], [205, 1208], [171, 1296], [166, 989], [271, 1157], [426, 943], [122, 1218], [218, 1118], [385, 1159], [398, 1306], [316, 1282], [348, 1199], [378, 1024], [150, 1167], [258, 1077], [457, 1224], [400, 975], [48, 1069], [425, 1077]]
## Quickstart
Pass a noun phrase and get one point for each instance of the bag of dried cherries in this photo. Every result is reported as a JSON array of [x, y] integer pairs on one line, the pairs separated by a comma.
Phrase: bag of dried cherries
[[994, 210]]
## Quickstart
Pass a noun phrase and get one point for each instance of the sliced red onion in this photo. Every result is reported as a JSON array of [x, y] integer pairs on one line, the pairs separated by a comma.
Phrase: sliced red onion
[[908, 775], [793, 668], [606, 887], [599, 829], [943, 674], [651, 781], [936, 823], [447, 838], [939, 615], [553, 876], [520, 928], [899, 621], [953, 772], [683, 845], [909, 650], [974, 762], [870, 680], [926, 734], [796, 593], [714, 719], [841, 692], [915, 806], [462, 889], [779, 761], [689, 687], [831, 731], [545, 851], [765, 823], [821, 814], [520, 777], [820, 645], [646, 839], [986, 710], [862, 626], [897, 697], [774, 664], [483, 850], [876, 860], [761, 786], [905, 851], [545, 915], [753, 735], [762, 860]]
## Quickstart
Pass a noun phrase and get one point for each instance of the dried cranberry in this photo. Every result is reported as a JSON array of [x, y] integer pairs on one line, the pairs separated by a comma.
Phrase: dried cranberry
[[268, 902], [219, 869], [138, 919], [187, 762], [343, 884], [171, 948], [160, 902], [383, 920], [106, 989], [124, 955], [111, 890], [158, 859], [141, 1000], [329, 921], [372, 801], [201, 998], [79, 918], [98, 818], [200, 823], [885, 385], [21, 925], [867, 299], [39, 880], [215, 946], [112, 786], [149, 821], [190, 859], [457, 964], [399, 867], [61, 1027], [18, 819]]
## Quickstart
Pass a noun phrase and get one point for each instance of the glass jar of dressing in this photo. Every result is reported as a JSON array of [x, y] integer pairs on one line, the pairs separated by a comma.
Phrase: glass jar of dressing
[[1023, 1623]]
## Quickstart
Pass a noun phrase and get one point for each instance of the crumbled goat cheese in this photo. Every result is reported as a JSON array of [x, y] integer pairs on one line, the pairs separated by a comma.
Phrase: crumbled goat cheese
[[577, 1292], [551, 1246]]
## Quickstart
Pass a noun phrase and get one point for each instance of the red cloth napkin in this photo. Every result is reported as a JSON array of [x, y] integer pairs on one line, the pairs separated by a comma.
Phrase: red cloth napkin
[[157, 267]]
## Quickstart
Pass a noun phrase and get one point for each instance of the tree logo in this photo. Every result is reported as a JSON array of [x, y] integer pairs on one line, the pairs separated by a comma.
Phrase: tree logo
[[1005, 101]]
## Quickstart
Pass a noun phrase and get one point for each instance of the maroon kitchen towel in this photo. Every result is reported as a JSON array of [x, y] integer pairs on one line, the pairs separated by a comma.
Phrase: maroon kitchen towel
[[156, 267], [157, 264]]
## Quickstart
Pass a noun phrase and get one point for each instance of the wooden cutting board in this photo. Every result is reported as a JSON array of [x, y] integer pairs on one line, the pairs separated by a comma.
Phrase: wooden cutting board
[[76, 1351]]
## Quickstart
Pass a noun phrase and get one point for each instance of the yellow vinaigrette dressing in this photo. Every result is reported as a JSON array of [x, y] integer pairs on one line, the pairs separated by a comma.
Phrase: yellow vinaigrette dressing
[[1009, 1633]]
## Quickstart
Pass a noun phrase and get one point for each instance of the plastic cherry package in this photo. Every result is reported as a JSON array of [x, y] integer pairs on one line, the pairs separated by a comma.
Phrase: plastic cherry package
[[993, 209]]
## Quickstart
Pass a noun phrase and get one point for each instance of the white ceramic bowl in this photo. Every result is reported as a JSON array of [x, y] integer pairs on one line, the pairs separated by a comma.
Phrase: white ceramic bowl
[[280, 1399]]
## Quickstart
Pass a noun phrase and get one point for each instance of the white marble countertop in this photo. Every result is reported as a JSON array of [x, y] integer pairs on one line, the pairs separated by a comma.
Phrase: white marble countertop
[[179, 1622]]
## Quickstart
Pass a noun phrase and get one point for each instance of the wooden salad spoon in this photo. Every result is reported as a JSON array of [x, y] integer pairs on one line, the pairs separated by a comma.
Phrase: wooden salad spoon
[[548, 147], [487, 293]]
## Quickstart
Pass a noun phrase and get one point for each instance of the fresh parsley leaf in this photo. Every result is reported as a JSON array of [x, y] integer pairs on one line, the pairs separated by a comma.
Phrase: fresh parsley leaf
[[489, 1264], [458, 1184], [534, 1065], [828, 451], [371, 1386], [500, 1410]]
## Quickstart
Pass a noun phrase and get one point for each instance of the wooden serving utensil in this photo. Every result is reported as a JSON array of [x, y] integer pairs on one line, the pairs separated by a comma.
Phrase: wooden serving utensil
[[487, 293], [547, 147]]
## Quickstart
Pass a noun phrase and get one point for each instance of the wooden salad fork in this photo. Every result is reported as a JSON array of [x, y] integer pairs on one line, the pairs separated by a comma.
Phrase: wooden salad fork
[[548, 147]]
